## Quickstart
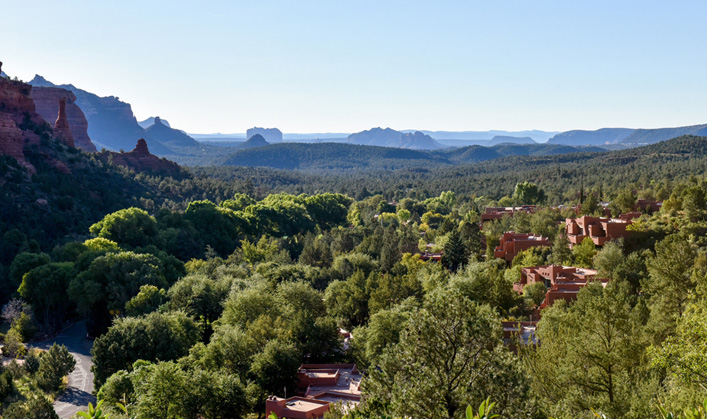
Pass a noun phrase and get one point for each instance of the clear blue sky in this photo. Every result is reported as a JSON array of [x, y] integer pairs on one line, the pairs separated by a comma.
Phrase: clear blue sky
[[345, 66]]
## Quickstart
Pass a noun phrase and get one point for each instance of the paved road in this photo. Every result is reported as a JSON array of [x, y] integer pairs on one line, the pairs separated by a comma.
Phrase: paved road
[[78, 392]]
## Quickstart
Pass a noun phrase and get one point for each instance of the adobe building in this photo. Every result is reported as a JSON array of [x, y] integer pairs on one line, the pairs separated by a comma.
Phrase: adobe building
[[496, 213], [513, 243], [562, 282], [599, 229], [319, 385]]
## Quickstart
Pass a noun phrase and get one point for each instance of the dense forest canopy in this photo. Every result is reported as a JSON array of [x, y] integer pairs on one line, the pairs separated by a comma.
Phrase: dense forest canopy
[[206, 291]]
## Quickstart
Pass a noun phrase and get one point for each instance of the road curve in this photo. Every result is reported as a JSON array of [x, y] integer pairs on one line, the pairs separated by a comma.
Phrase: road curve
[[78, 392]]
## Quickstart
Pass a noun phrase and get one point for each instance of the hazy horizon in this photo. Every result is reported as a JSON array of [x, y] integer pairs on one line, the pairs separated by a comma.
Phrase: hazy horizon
[[316, 66]]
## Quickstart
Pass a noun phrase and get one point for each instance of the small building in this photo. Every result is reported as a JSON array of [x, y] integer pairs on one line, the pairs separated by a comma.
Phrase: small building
[[496, 213], [513, 243], [562, 282], [319, 385], [599, 229]]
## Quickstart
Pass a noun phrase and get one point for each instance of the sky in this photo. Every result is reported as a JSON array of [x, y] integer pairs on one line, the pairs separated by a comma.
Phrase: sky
[[346, 66]]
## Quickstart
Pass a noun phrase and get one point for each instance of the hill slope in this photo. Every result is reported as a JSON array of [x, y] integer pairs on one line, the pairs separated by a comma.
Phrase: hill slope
[[597, 137], [651, 136]]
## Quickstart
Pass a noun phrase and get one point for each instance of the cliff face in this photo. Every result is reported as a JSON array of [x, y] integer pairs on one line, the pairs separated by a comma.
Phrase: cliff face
[[20, 124], [141, 160], [111, 123], [47, 102]]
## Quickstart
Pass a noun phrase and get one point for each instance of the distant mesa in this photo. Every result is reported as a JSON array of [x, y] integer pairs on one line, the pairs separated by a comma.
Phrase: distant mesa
[[147, 123], [271, 135], [255, 141], [598, 137], [160, 133], [47, 102], [387, 137], [141, 160]]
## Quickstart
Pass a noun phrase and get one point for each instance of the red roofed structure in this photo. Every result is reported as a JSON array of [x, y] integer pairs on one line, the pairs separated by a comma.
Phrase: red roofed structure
[[513, 243], [599, 229]]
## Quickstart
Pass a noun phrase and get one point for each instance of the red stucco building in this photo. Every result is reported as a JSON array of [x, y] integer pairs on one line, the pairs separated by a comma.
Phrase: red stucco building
[[513, 243], [599, 229]]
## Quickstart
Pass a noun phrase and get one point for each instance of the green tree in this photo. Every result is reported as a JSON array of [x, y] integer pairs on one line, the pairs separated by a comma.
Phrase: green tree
[[131, 227], [624, 202], [153, 337], [590, 206], [590, 354], [110, 282], [561, 253], [583, 253], [528, 193], [608, 260], [442, 361], [146, 301], [454, 252], [45, 288], [37, 407], [671, 283], [54, 366]]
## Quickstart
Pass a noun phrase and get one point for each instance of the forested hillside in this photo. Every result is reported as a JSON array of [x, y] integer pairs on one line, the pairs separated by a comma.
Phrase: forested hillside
[[216, 285]]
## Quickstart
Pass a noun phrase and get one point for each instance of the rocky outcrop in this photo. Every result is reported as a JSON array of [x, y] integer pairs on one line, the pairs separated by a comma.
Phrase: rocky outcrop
[[271, 135], [163, 134], [20, 125], [391, 138], [147, 123], [141, 160], [111, 123], [62, 132], [47, 99]]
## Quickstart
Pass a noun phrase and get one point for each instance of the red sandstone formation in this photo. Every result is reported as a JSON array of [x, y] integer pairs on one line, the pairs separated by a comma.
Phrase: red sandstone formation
[[17, 119], [141, 160], [62, 132], [47, 99]]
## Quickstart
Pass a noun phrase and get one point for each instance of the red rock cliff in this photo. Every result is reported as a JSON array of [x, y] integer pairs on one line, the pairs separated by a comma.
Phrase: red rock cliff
[[47, 99], [18, 120], [141, 160]]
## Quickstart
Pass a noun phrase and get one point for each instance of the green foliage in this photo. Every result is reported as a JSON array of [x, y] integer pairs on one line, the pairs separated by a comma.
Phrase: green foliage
[[110, 282], [153, 337], [583, 253], [442, 360], [45, 288], [528, 193], [13, 347], [132, 227], [54, 365], [149, 299], [37, 407], [590, 354]]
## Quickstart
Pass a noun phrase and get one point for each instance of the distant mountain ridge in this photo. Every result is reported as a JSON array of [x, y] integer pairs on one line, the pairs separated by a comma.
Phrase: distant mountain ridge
[[387, 137], [596, 137], [343, 157], [651, 136]]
